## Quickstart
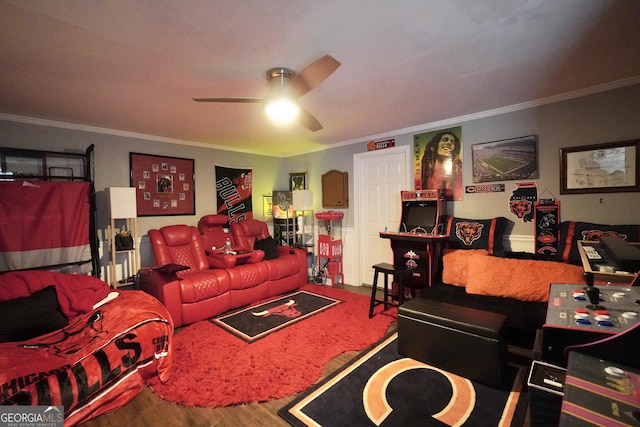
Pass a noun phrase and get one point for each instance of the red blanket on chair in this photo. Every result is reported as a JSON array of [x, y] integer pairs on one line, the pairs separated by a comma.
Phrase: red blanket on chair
[[99, 361]]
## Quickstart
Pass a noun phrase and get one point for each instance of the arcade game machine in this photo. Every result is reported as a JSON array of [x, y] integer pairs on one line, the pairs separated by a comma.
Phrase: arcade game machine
[[580, 315], [417, 243]]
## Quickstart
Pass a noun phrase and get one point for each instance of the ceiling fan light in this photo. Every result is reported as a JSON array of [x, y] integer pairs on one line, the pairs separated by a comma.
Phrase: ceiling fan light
[[281, 110]]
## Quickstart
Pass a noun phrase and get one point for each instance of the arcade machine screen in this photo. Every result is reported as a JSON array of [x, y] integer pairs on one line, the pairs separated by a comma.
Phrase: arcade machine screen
[[420, 217]]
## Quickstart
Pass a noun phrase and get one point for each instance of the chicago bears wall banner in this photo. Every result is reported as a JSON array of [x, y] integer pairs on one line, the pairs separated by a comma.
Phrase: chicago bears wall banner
[[547, 223], [233, 193], [522, 200]]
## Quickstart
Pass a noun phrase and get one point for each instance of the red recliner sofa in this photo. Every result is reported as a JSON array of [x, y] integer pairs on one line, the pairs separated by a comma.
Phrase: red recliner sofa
[[289, 262], [195, 291]]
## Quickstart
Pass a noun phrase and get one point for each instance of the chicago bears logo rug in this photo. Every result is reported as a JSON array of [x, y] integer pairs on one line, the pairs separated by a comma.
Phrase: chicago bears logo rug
[[382, 388], [255, 322]]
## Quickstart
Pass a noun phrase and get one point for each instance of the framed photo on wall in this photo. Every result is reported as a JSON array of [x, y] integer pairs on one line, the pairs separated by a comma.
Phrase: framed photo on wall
[[164, 185], [603, 168], [298, 181], [505, 160]]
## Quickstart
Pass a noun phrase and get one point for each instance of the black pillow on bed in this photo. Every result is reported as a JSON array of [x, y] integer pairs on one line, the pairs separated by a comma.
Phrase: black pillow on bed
[[28, 317], [269, 246]]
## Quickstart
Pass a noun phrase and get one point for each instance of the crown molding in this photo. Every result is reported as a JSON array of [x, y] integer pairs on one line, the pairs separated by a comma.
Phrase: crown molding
[[393, 133], [495, 112]]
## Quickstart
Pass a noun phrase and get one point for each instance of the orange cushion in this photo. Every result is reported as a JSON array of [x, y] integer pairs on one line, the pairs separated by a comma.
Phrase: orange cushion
[[455, 265], [523, 279]]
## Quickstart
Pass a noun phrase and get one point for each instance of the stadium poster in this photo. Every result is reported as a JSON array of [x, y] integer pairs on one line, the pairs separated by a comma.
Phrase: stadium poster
[[233, 193], [505, 160]]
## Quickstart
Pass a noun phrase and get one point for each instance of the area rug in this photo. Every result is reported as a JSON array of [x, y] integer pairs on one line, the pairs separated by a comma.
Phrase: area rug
[[212, 367], [258, 321], [382, 388]]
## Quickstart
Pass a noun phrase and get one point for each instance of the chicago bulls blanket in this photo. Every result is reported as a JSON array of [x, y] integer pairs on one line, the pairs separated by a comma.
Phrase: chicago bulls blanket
[[98, 362]]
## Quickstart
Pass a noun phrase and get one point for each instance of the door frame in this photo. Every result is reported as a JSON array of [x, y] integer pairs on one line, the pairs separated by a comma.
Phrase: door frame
[[358, 161]]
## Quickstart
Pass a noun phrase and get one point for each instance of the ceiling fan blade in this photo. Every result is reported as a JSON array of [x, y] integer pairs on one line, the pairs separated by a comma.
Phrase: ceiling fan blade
[[307, 120], [234, 99], [313, 75]]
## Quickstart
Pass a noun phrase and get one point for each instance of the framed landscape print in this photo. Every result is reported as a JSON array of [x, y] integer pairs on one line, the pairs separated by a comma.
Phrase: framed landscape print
[[604, 168], [164, 185]]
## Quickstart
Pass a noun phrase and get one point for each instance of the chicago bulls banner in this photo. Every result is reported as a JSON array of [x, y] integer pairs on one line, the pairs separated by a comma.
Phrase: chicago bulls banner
[[547, 223], [233, 193]]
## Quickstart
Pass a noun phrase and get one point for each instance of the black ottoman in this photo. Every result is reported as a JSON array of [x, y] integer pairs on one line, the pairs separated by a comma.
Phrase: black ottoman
[[464, 341]]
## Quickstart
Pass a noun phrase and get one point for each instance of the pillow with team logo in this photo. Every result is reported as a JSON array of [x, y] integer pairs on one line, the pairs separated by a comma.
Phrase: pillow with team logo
[[485, 234], [572, 231]]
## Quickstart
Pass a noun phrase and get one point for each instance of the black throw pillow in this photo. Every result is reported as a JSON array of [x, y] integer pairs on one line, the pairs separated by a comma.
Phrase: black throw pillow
[[477, 233], [28, 317], [269, 246]]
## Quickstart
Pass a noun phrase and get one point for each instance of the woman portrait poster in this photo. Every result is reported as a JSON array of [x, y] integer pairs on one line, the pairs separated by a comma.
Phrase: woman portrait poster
[[438, 161]]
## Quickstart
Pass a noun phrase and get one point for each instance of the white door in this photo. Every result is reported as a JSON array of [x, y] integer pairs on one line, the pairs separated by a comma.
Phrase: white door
[[379, 177]]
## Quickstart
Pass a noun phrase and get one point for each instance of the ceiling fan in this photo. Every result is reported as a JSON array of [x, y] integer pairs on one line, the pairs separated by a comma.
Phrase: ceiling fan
[[286, 86]]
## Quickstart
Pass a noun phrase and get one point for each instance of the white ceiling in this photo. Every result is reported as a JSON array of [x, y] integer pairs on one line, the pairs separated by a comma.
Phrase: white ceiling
[[135, 65]]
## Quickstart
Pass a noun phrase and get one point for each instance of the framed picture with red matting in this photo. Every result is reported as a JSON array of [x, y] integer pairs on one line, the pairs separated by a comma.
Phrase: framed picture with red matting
[[164, 185]]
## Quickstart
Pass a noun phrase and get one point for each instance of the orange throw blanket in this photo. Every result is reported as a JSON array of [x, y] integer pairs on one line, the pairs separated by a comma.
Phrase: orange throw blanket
[[523, 279]]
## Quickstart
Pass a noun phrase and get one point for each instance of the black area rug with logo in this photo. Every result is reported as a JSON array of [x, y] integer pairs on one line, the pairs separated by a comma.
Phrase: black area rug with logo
[[382, 388], [255, 322]]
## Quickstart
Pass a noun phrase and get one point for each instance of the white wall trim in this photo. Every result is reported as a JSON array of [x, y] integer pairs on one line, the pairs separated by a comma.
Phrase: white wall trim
[[517, 243], [520, 243], [122, 133], [393, 133]]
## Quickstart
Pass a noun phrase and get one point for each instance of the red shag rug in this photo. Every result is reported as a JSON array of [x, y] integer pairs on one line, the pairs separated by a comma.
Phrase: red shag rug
[[212, 367]]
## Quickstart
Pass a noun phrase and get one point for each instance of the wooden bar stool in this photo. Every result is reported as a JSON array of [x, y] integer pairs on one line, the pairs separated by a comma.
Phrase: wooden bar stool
[[399, 274]]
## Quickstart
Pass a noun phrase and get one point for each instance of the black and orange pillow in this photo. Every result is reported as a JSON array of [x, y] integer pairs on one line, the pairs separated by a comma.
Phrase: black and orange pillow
[[485, 234], [572, 231]]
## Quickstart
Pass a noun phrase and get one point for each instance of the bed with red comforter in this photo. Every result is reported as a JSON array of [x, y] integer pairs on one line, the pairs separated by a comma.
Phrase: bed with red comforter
[[72, 341]]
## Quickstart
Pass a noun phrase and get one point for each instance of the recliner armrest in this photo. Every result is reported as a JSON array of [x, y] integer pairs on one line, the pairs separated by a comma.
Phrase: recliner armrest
[[256, 256], [220, 260], [165, 287]]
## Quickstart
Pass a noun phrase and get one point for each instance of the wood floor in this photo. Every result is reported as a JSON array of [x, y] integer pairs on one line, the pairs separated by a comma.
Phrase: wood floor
[[147, 409]]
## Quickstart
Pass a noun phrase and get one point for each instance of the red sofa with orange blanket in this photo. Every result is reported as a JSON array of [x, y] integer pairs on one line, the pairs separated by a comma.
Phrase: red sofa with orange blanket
[[516, 288], [70, 340], [478, 273]]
